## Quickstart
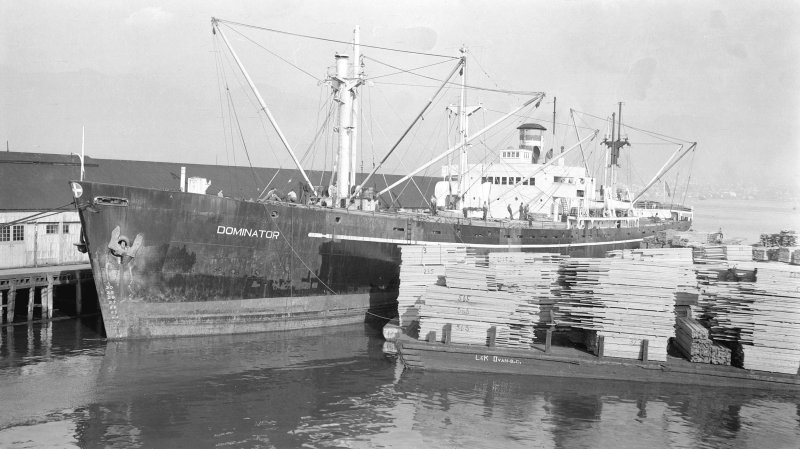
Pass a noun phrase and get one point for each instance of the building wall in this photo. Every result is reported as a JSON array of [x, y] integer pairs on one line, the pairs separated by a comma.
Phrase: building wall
[[46, 240]]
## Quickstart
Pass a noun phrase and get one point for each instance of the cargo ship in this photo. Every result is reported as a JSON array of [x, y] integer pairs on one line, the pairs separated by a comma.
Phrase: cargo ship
[[171, 263]]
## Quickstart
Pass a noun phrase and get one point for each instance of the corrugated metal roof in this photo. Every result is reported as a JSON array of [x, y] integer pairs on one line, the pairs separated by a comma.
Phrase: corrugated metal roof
[[40, 181]]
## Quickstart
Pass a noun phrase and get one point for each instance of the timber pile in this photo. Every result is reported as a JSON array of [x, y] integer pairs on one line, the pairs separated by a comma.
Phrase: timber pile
[[532, 275], [763, 316], [420, 267], [738, 253], [785, 253], [625, 300], [795, 257], [502, 290], [783, 238], [687, 239], [760, 254], [692, 340]]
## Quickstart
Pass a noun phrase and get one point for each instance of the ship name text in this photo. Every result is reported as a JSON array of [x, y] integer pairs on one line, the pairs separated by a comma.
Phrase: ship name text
[[245, 232]]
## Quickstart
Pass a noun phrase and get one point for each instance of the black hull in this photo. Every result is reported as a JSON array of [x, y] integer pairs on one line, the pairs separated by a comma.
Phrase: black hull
[[200, 264]]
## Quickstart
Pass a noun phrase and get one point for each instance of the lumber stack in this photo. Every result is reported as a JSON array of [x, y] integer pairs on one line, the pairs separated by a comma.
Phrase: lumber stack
[[693, 341], [783, 238], [420, 267], [795, 257], [534, 276], [686, 239], [738, 253], [785, 253], [763, 316], [626, 300]]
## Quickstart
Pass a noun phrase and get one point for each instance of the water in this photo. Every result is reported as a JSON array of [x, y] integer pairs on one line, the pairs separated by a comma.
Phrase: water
[[746, 219], [63, 386]]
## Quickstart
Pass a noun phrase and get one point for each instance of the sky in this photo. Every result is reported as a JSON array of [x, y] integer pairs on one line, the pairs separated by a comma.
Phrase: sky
[[142, 77]]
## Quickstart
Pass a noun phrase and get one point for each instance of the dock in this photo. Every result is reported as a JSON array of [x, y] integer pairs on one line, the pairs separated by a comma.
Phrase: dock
[[39, 283]]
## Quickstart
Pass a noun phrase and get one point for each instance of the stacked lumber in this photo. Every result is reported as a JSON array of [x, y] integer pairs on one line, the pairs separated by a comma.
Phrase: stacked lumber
[[783, 238], [534, 276], [738, 253], [795, 257], [785, 253], [686, 239], [421, 266], [760, 253], [693, 341], [625, 300], [763, 316]]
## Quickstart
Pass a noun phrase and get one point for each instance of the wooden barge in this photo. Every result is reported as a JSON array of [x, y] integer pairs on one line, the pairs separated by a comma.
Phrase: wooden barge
[[561, 361]]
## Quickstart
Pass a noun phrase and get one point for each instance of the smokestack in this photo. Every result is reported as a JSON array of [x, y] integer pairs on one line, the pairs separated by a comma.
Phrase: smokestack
[[183, 179]]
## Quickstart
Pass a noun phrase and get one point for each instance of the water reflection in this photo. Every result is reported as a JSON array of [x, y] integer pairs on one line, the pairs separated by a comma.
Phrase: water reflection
[[62, 385]]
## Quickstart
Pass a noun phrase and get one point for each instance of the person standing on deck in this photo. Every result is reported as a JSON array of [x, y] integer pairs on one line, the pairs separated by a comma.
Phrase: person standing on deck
[[510, 212], [521, 211], [433, 204], [485, 210]]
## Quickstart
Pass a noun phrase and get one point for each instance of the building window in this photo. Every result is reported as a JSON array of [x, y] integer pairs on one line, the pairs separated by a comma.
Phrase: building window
[[51, 228], [503, 180], [579, 193], [5, 233], [18, 233], [65, 228], [533, 181]]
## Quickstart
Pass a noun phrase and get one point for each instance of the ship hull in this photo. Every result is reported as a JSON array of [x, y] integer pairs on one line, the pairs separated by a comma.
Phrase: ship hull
[[174, 263]]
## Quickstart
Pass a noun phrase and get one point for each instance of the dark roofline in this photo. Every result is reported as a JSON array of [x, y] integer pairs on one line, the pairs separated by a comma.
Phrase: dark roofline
[[532, 126]]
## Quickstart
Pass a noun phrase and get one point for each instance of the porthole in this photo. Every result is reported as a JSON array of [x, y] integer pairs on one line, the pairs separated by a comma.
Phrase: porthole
[[274, 214]]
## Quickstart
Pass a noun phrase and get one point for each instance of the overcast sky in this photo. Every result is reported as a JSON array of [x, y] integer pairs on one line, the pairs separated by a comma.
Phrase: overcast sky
[[141, 76]]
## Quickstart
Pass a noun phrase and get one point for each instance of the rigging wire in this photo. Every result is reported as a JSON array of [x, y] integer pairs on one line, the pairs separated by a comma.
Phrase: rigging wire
[[275, 54], [453, 83], [306, 36]]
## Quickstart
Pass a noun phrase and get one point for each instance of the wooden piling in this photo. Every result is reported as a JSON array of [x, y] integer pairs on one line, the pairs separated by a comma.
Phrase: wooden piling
[[78, 293], [31, 300], [49, 298], [645, 346], [12, 299]]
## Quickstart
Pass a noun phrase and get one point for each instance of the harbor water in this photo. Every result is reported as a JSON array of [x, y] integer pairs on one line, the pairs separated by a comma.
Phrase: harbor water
[[61, 385]]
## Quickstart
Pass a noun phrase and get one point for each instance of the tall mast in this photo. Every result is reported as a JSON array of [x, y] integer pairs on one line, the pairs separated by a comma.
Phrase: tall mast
[[463, 131], [346, 82], [354, 115], [553, 145], [216, 28]]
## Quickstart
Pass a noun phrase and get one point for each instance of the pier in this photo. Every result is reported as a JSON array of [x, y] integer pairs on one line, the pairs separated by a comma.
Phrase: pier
[[39, 284]]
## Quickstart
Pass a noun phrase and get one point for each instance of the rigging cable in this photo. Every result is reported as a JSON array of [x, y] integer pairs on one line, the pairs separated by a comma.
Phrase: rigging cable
[[275, 54], [334, 40]]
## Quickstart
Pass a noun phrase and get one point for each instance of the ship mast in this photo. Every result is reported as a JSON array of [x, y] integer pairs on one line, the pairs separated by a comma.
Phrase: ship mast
[[463, 132], [614, 144], [345, 83], [216, 28]]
